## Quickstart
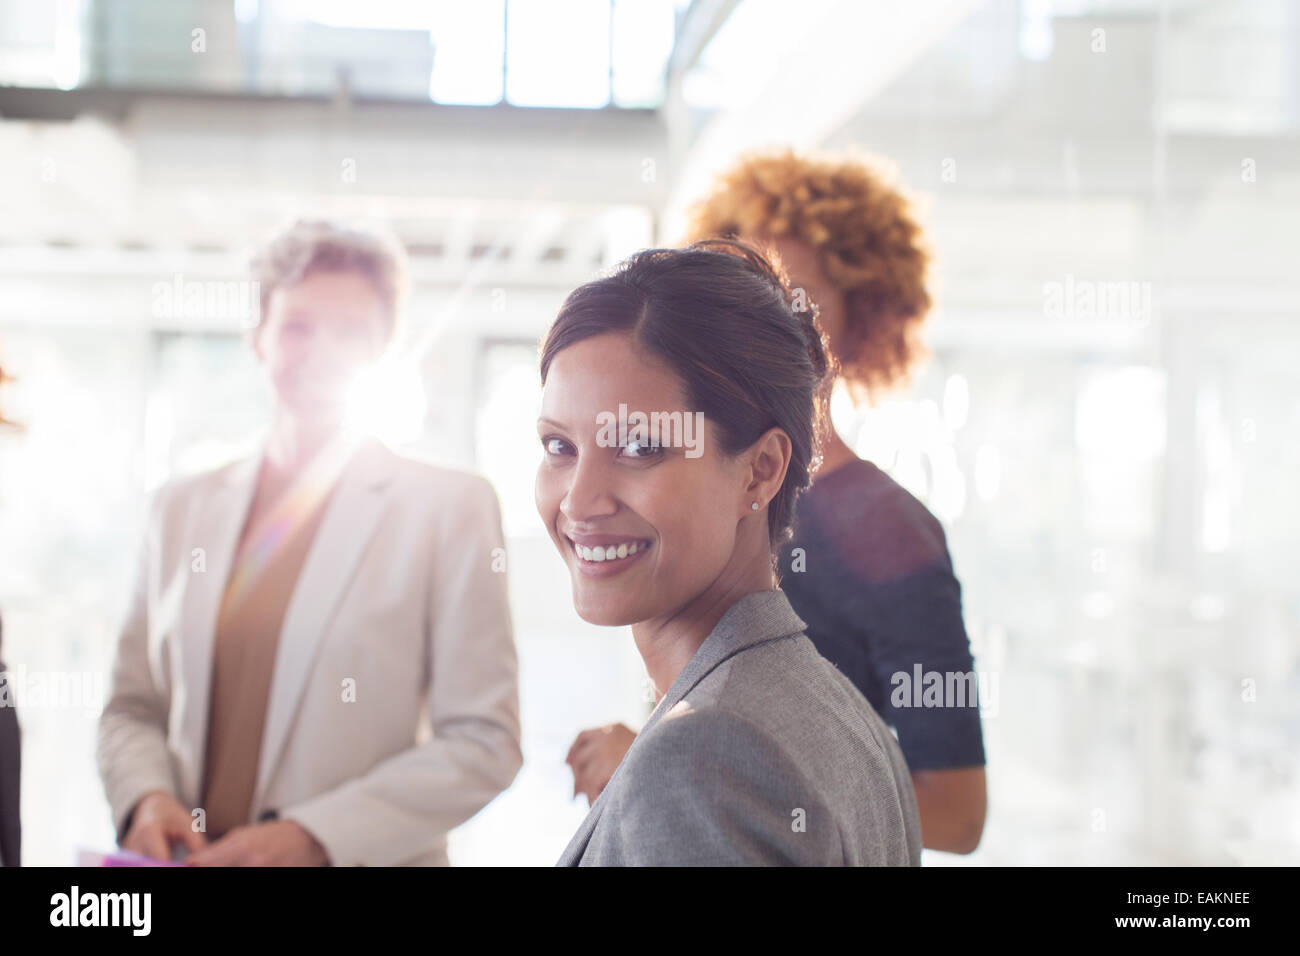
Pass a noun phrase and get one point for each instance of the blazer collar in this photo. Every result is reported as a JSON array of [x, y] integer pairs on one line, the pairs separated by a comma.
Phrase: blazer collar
[[755, 619]]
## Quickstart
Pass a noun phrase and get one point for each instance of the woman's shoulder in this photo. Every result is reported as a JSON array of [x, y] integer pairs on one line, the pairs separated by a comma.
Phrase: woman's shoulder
[[871, 523], [777, 707], [707, 784], [861, 489], [446, 499], [757, 696], [702, 738]]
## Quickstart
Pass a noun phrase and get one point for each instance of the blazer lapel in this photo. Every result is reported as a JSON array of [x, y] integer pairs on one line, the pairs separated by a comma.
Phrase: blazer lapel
[[216, 532], [350, 521]]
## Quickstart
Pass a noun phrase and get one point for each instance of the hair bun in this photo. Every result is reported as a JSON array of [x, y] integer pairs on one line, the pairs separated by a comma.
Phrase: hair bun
[[805, 313], [767, 264], [755, 257]]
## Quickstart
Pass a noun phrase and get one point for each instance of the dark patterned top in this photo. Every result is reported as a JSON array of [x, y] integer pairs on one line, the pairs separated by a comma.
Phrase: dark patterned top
[[881, 602]]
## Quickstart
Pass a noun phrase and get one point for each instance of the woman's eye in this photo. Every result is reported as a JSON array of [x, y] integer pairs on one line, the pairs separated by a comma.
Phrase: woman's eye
[[555, 446], [640, 449]]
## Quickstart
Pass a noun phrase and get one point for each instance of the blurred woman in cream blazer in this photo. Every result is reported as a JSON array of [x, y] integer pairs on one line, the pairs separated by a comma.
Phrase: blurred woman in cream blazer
[[318, 665]]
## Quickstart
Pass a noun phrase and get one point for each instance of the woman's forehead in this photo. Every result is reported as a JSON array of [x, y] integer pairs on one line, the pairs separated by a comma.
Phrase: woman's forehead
[[605, 371]]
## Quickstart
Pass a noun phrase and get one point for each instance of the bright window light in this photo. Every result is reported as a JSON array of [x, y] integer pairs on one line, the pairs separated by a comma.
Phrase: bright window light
[[644, 31], [988, 471], [747, 50], [1120, 414], [558, 53], [368, 15], [468, 47], [1036, 38], [506, 442], [387, 400], [956, 401]]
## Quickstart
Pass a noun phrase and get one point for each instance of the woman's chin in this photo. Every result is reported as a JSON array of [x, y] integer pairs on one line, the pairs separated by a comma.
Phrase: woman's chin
[[604, 611]]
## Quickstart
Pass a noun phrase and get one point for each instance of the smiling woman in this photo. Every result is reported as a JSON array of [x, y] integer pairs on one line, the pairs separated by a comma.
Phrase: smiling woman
[[631, 342], [759, 751]]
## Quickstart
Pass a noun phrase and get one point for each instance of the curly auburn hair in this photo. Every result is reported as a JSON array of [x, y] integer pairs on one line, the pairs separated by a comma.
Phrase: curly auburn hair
[[866, 239]]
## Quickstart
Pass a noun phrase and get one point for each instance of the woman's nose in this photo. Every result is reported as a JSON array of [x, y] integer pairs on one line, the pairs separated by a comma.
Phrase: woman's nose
[[590, 493]]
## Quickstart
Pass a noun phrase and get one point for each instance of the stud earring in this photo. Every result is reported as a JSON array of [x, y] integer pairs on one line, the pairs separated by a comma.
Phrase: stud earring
[[753, 506]]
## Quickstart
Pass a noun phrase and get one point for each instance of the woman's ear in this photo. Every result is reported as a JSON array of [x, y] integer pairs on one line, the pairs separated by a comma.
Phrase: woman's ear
[[769, 458]]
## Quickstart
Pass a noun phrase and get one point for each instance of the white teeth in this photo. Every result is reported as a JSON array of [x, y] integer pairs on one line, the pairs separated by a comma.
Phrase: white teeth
[[609, 552]]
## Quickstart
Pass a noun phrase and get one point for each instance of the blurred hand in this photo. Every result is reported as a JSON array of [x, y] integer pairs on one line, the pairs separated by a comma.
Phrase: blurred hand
[[158, 823], [280, 843], [595, 755]]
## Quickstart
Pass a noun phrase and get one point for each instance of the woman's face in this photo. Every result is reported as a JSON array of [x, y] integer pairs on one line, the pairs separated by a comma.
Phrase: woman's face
[[317, 335], [803, 266], [665, 521]]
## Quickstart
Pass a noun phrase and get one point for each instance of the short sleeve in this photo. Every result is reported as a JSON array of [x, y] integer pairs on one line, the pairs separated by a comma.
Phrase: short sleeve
[[920, 644]]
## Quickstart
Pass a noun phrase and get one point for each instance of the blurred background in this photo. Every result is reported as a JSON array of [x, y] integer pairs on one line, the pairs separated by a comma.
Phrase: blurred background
[[1106, 428]]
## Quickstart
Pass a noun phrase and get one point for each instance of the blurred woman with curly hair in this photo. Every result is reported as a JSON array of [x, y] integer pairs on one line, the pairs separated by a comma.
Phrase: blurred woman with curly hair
[[868, 567]]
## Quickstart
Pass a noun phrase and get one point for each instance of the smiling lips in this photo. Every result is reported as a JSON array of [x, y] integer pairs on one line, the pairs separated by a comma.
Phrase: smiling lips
[[609, 555], [610, 552]]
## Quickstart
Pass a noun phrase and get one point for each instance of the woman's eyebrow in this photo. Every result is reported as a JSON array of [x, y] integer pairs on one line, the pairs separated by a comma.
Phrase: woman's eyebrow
[[548, 421]]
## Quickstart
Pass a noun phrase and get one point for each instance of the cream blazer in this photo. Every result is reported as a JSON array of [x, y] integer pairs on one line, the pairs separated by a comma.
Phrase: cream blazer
[[401, 605]]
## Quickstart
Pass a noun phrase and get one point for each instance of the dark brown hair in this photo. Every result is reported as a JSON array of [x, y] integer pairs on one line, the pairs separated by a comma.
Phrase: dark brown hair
[[720, 315]]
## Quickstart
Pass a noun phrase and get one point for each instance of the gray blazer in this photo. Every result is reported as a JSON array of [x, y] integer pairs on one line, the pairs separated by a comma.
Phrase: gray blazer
[[761, 752]]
